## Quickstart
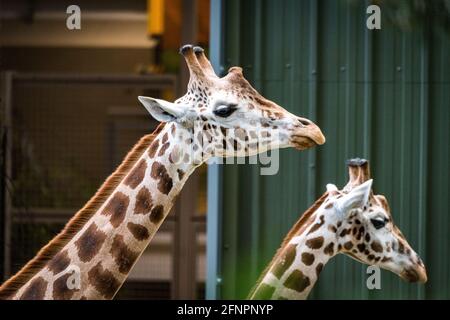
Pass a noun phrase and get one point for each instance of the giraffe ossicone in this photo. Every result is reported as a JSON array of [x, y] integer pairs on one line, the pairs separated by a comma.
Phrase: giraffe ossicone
[[352, 221], [103, 241]]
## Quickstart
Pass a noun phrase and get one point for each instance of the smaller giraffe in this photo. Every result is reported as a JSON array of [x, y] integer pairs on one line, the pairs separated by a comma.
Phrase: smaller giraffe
[[352, 221]]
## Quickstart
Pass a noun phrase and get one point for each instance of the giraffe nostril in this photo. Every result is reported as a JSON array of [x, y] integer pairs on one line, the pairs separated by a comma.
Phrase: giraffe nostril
[[304, 122], [419, 261]]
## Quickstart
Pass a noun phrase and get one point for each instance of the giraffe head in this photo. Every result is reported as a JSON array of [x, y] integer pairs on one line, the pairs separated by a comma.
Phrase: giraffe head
[[232, 117], [365, 229]]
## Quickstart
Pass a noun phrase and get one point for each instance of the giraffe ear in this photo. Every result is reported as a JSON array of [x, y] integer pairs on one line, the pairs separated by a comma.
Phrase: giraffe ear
[[356, 198], [331, 187], [162, 110]]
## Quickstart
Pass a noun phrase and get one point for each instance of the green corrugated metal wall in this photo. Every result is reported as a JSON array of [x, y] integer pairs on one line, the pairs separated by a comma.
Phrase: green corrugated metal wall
[[382, 95]]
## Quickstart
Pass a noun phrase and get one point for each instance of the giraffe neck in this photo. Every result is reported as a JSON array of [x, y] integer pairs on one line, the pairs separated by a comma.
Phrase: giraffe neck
[[297, 265], [98, 259]]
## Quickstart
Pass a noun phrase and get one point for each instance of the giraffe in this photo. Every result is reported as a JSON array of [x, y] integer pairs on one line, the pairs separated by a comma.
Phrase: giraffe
[[352, 221], [220, 117]]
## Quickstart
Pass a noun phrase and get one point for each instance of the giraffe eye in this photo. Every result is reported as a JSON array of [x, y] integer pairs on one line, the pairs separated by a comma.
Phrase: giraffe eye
[[378, 223], [224, 110]]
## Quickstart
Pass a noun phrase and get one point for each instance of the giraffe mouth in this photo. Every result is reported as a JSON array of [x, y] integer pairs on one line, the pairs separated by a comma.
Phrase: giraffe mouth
[[307, 137], [413, 275], [303, 143]]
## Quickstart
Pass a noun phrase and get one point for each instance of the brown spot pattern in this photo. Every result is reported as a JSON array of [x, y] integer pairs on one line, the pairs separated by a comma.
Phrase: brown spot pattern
[[332, 228], [361, 247], [59, 262], [285, 261], [376, 246], [136, 175], [315, 243], [175, 155], [103, 281], [307, 258], [153, 148], [348, 245], [163, 149], [117, 208], [138, 231], [240, 134], [159, 173], [35, 290], [180, 174], [60, 289], [317, 225], [144, 201], [401, 247], [123, 256], [90, 242], [297, 281], [329, 249], [360, 233], [344, 232], [319, 268], [157, 214], [165, 138]]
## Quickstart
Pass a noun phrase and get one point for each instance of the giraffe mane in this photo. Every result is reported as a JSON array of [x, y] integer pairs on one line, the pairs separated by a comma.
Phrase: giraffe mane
[[300, 225], [12, 285]]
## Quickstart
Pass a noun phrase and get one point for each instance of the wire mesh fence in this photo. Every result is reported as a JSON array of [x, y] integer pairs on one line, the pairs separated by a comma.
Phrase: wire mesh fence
[[68, 133]]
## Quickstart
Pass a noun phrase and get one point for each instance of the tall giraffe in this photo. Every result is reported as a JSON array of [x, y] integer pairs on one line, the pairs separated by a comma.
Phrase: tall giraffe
[[352, 221], [92, 256]]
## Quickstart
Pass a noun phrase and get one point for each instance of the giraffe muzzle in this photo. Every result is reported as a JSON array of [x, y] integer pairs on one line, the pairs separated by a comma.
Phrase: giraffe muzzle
[[418, 274], [307, 136], [315, 134]]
